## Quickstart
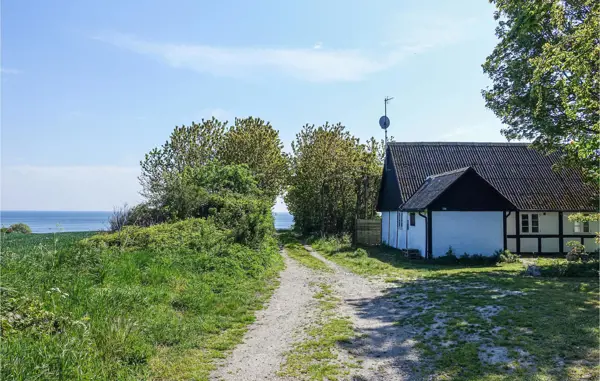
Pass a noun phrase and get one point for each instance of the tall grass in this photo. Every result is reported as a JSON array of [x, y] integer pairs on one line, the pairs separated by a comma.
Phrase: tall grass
[[162, 307]]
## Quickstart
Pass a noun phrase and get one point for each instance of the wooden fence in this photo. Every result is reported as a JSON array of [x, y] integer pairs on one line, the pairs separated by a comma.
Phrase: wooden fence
[[368, 232]]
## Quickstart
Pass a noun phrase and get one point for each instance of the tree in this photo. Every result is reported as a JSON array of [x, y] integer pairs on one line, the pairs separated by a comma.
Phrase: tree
[[250, 141], [255, 143], [546, 77], [331, 175], [188, 146]]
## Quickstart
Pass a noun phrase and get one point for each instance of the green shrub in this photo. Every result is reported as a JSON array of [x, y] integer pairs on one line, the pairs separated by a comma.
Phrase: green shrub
[[193, 234], [450, 258], [563, 268], [506, 256], [332, 244], [358, 253], [17, 228]]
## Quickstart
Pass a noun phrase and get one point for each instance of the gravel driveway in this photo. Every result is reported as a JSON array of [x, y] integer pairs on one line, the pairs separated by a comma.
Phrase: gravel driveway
[[383, 349], [261, 354]]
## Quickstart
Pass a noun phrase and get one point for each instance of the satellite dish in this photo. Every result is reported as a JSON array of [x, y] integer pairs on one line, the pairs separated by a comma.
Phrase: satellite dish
[[384, 122]]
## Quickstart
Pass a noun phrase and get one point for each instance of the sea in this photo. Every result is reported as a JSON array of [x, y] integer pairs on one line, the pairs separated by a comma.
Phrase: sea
[[52, 222]]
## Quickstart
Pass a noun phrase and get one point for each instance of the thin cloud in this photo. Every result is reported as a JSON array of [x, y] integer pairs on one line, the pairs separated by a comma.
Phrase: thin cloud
[[318, 45], [317, 65], [4, 70]]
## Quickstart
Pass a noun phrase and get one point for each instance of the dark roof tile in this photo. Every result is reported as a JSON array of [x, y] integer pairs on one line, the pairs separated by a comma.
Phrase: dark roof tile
[[524, 176]]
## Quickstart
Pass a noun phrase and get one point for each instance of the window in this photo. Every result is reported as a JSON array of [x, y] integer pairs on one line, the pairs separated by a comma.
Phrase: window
[[524, 223], [400, 218], [530, 223], [412, 219], [586, 226], [577, 227], [535, 223]]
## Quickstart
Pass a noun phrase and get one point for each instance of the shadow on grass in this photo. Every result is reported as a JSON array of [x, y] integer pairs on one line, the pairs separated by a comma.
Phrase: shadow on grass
[[547, 326]]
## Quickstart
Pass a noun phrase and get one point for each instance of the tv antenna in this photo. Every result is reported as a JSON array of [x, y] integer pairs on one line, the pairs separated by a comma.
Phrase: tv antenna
[[384, 121]]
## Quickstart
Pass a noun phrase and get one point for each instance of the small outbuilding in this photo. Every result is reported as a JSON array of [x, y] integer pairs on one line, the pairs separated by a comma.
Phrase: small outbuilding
[[481, 197]]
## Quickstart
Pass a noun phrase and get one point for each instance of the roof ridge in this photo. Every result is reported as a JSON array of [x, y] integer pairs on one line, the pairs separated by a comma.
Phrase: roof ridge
[[463, 169], [440, 143]]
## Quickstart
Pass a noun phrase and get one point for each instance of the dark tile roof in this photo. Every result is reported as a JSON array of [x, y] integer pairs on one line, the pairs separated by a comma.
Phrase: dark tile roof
[[431, 188], [522, 175]]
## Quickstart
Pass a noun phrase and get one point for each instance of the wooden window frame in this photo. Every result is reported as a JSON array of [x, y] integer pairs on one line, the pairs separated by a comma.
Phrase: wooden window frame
[[535, 228], [524, 223]]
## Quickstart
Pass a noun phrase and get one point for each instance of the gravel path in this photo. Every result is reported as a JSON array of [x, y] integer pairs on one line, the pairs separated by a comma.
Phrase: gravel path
[[292, 305], [384, 349]]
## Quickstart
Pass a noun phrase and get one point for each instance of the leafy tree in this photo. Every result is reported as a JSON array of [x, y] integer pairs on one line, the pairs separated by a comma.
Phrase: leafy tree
[[188, 146], [250, 141], [330, 170], [546, 77], [228, 194], [255, 143]]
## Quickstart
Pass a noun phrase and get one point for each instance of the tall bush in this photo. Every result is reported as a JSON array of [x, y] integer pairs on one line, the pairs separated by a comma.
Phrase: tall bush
[[334, 179]]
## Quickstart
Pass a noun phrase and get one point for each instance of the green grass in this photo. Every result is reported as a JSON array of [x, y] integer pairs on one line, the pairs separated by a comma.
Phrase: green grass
[[316, 357], [294, 249], [74, 312], [546, 329]]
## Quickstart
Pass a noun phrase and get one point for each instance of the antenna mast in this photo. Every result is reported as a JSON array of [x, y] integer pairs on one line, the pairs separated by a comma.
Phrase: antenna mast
[[385, 102], [384, 122]]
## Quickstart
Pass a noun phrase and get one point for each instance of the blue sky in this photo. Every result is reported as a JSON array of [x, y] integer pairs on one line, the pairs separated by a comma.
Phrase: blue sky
[[89, 86]]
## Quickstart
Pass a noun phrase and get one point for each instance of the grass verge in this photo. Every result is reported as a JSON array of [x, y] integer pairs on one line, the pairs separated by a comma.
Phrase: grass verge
[[316, 357], [295, 250], [165, 309], [488, 322]]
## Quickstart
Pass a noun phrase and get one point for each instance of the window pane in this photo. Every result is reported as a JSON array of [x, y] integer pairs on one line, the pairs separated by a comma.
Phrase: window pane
[[412, 219], [586, 226], [535, 223], [577, 227], [524, 223]]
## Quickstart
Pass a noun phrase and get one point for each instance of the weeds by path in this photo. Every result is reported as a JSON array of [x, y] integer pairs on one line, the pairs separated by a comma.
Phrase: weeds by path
[[294, 249], [317, 357]]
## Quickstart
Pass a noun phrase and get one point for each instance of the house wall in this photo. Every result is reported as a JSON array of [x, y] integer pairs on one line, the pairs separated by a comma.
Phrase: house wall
[[467, 232], [385, 227], [414, 234], [549, 225]]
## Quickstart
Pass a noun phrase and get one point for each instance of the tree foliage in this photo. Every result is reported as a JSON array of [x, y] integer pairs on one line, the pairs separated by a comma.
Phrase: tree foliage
[[334, 179], [255, 143], [188, 146], [250, 141], [546, 77]]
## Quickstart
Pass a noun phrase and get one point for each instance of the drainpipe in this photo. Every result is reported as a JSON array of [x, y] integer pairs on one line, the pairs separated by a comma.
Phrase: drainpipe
[[426, 238]]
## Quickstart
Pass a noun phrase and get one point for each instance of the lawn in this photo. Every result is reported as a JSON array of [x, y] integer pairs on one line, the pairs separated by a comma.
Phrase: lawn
[[488, 322], [165, 309]]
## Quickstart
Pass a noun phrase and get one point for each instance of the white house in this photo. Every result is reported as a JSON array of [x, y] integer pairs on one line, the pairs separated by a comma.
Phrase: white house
[[481, 197]]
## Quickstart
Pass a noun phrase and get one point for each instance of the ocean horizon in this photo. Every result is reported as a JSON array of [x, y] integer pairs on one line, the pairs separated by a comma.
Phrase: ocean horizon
[[81, 221]]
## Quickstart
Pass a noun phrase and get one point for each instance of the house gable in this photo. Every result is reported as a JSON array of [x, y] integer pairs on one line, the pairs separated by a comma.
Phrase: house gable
[[390, 197], [459, 190], [471, 193]]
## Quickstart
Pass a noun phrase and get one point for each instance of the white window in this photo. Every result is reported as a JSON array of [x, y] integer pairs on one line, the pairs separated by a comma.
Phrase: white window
[[535, 223], [577, 226], [524, 223], [530, 223], [400, 218]]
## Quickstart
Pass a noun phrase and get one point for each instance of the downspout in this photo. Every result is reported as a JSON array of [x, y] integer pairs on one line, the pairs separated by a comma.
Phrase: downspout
[[426, 238], [505, 229]]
